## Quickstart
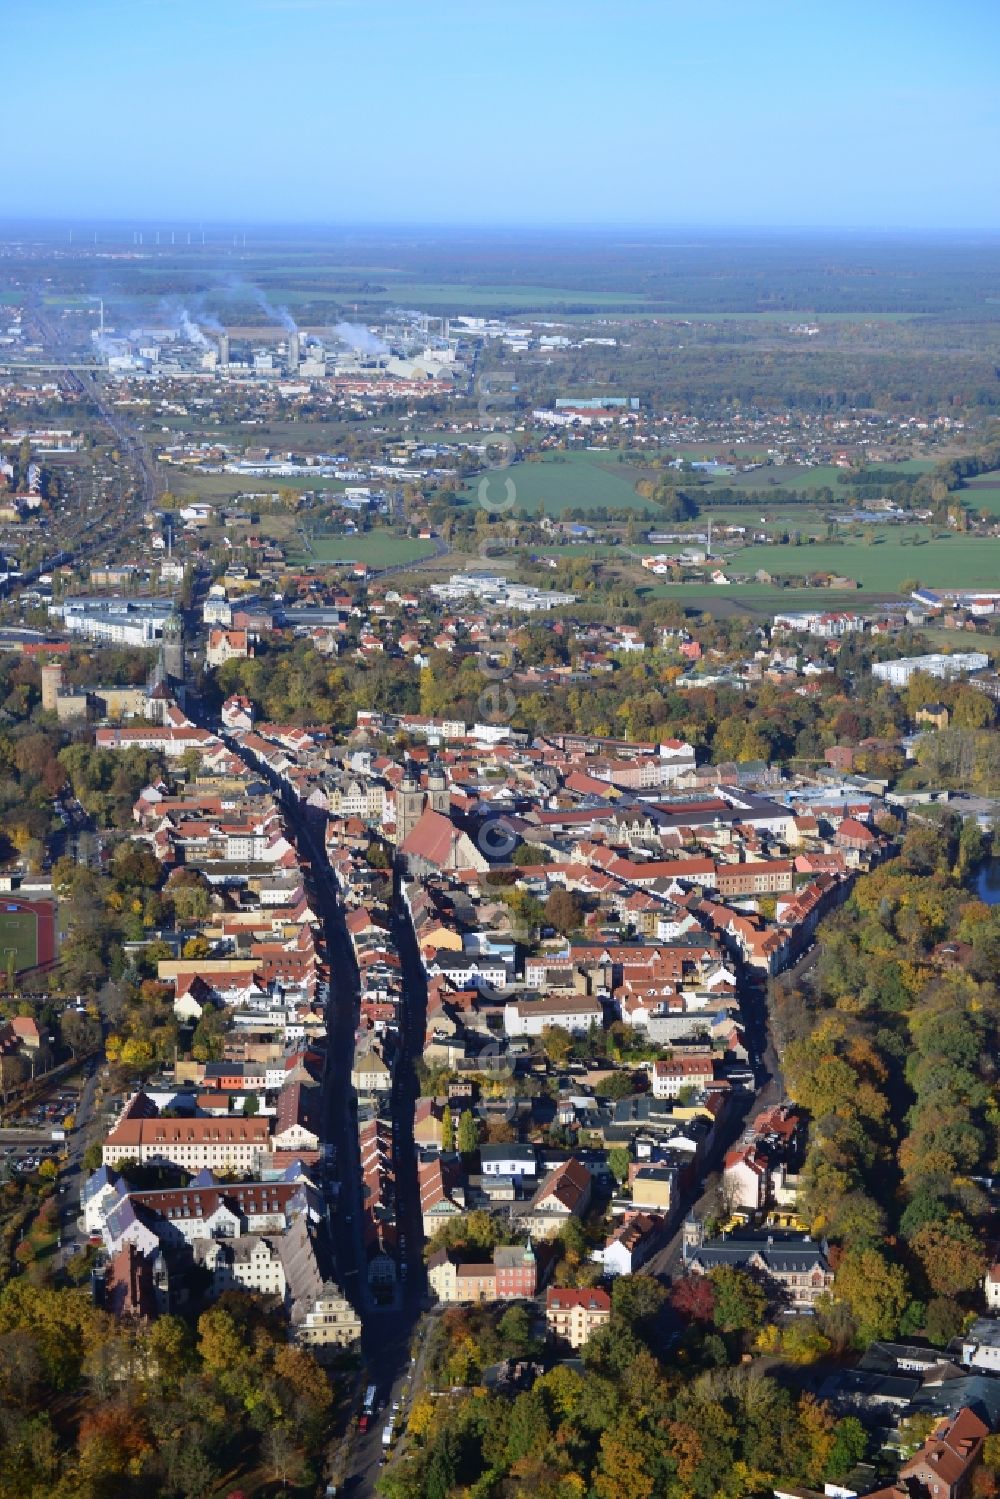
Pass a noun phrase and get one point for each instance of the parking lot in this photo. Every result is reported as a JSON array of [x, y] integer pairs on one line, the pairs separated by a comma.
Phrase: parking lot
[[24, 1159]]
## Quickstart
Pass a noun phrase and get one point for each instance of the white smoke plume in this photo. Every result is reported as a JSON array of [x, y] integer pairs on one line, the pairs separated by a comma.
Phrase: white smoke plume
[[190, 330], [362, 339], [276, 314]]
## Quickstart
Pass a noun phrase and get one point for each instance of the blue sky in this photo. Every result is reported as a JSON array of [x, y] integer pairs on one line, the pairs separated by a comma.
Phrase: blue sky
[[854, 113]]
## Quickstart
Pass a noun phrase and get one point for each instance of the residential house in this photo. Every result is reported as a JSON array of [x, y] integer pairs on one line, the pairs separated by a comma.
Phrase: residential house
[[944, 1466], [573, 1316], [678, 1073], [626, 1249], [512, 1275], [564, 1193]]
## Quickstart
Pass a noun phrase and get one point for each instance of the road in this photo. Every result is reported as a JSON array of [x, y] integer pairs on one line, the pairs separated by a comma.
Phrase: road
[[386, 1330], [71, 1175], [770, 1089]]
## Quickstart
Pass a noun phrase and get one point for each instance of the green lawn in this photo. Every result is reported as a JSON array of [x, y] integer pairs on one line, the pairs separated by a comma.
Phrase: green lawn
[[376, 549], [568, 481], [18, 930]]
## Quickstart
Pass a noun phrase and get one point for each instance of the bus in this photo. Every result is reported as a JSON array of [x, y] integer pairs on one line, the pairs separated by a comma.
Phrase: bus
[[368, 1408]]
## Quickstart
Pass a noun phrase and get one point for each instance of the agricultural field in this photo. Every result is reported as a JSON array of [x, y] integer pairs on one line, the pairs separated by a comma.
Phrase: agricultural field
[[375, 549], [805, 477], [571, 481], [765, 517], [888, 561], [761, 600], [589, 550], [983, 493]]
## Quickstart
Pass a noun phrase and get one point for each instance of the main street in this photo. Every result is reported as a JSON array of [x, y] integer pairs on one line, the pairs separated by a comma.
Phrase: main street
[[386, 1330]]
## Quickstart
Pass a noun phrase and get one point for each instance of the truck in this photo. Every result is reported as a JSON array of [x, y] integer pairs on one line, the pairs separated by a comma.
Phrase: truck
[[367, 1408], [387, 1434]]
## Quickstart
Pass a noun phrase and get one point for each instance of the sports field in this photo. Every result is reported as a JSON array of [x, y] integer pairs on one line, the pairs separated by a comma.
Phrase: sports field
[[18, 934]]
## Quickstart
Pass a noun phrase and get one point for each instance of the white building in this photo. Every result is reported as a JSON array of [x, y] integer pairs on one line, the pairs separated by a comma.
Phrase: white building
[[119, 621], [960, 663]]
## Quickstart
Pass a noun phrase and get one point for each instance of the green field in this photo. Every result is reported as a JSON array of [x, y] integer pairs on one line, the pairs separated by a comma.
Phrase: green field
[[767, 517], [376, 549], [18, 931], [788, 315], [799, 476], [569, 481], [760, 600], [952, 562], [567, 550], [983, 493], [463, 296]]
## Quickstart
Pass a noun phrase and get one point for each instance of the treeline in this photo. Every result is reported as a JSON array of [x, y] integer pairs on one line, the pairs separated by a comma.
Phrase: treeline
[[705, 378], [892, 1051]]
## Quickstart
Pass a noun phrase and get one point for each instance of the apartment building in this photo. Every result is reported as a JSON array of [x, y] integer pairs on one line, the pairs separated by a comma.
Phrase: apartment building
[[572, 1317], [194, 1145]]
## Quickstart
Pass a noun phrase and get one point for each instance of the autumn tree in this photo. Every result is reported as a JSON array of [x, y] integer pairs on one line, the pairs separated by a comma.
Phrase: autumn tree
[[468, 1133], [874, 1290], [740, 1303], [950, 1256]]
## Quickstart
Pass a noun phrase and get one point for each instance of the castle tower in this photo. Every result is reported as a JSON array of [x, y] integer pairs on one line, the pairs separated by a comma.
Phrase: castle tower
[[52, 680]]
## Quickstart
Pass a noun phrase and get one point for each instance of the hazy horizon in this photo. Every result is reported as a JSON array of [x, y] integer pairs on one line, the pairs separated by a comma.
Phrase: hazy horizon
[[182, 226]]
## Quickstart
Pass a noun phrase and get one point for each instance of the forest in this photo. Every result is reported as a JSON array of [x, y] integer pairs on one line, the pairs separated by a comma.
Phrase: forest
[[891, 1050]]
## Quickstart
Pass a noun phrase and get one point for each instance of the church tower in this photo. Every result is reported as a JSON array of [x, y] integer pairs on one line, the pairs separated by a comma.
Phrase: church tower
[[438, 793], [409, 805], [691, 1237]]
